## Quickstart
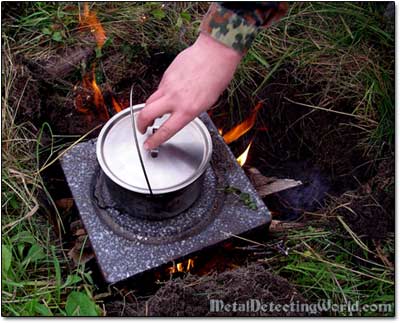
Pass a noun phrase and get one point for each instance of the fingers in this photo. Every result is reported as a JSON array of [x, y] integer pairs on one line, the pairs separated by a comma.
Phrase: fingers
[[150, 112], [155, 96], [169, 128]]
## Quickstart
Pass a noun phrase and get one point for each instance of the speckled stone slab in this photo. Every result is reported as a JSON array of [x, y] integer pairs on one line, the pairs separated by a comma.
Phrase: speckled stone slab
[[125, 247]]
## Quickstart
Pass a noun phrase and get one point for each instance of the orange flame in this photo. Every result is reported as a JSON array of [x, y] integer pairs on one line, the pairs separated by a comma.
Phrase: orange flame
[[117, 107], [243, 127], [182, 267], [98, 96], [243, 157], [89, 99], [90, 21], [190, 264], [91, 88]]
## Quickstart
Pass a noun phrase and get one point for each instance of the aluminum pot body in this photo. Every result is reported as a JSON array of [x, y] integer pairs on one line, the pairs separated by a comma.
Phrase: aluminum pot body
[[154, 207], [176, 174]]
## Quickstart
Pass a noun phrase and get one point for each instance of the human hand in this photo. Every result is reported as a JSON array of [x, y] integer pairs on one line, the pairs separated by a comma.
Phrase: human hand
[[191, 84]]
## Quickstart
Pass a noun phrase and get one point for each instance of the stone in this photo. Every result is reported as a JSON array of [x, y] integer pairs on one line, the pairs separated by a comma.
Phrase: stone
[[125, 246]]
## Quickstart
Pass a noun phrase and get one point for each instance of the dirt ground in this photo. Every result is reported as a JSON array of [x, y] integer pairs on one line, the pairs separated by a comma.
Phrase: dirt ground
[[318, 148], [371, 208], [57, 102], [191, 296]]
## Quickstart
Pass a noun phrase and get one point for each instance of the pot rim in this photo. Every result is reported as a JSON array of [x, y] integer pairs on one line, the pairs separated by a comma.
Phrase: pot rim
[[104, 167]]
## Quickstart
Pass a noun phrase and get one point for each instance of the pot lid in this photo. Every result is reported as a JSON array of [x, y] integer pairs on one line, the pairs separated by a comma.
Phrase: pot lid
[[180, 161]]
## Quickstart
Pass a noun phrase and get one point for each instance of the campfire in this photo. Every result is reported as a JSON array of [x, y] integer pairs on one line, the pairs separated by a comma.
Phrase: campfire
[[240, 130], [243, 127], [243, 157], [88, 21], [89, 99], [181, 267]]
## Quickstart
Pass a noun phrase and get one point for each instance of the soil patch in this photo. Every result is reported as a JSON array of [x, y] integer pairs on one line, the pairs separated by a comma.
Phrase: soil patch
[[322, 149], [52, 98], [191, 296], [25, 94], [370, 210]]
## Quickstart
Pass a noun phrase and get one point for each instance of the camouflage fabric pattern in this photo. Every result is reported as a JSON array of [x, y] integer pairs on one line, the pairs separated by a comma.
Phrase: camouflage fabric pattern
[[236, 24]]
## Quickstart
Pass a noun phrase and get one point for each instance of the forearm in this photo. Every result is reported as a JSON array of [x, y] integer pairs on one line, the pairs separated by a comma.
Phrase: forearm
[[236, 24], [199, 74]]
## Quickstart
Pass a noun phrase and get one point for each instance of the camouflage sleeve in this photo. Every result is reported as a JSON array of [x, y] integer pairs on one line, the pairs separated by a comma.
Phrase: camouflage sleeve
[[236, 24]]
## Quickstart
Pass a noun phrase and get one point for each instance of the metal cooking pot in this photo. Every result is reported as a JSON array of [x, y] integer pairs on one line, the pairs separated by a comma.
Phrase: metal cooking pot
[[175, 174]]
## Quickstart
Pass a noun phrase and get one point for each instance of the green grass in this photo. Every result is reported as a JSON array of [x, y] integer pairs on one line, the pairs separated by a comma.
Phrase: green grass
[[325, 264], [141, 25], [332, 265], [344, 49], [36, 277], [331, 52]]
